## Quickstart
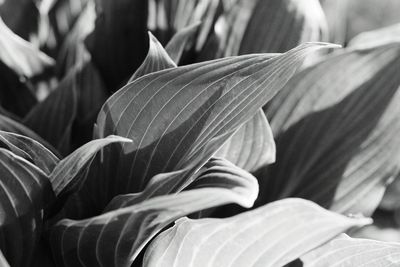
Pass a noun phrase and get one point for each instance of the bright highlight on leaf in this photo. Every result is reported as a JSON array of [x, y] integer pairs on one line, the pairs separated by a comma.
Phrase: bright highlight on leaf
[[273, 235]]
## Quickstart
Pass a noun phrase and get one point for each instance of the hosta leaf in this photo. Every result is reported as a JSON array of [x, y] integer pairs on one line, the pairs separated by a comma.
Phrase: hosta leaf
[[381, 36], [272, 235], [183, 39], [336, 126], [156, 59], [3, 261], [125, 52], [277, 26], [336, 12], [30, 150], [52, 118], [25, 192], [116, 237], [185, 122], [216, 173], [252, 146], [65, 177], [20, 55], [9, 125], [344, 251]]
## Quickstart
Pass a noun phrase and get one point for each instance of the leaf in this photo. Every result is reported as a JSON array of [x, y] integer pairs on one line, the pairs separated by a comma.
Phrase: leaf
[[183, 39], [52, 118], [3, 261], [20, 55], [30, 150], [216, 173], [336, 128], [65, 176], [25, 192], [345, 251], [10, 125], [125, 52], [272, 235], [336, 12], [252, 146], [156, 59], [277, 26], [381, 36], [185, 122], [115, 238]]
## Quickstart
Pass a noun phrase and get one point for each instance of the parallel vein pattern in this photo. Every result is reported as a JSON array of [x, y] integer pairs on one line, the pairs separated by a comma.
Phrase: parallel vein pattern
[[270, 236]]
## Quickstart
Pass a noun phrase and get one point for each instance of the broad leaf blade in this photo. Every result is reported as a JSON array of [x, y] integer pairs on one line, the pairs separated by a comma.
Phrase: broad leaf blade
[[381, 36], [30, 150], [273, 235], [25, 192], [202, 113], [336, 126], [347, 252], [116, 237], [156, 59], [252, 146]]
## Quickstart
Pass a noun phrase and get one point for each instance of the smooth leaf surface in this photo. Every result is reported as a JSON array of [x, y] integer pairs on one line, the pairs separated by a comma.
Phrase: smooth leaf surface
[[25, 192], [344, 251], [336, 126], [30, 150], [252, 146], [156, 59], [381, 36], [272, 235], [176, 120], [278, 25], [115, 238], [3, 261]]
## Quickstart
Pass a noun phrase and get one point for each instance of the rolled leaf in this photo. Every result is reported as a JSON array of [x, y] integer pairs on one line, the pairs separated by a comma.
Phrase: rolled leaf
[[336, 126], [156, 59], [252, 146], [115, 238], [25, 192], [30, 150], [272, 235], [344, 251]]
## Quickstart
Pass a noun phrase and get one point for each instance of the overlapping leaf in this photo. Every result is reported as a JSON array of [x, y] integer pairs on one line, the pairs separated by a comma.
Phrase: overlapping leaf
[[25, 192], [277, 26], [52, 118], [156, 59], [336, 125], [181, 116], [252, 146], [347, 252], [30, 150], [116, 237], [216, 173], [381, 36], [273, 235]]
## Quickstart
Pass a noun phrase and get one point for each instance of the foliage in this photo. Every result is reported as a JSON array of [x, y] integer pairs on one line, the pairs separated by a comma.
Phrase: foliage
[[195, 132]]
